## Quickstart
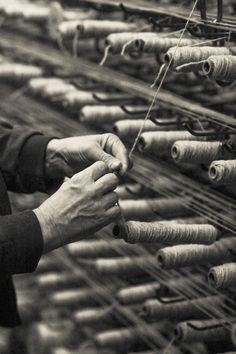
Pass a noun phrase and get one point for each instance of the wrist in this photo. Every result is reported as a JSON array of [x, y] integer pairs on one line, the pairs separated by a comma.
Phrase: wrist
[[51, 239], [53, 160]]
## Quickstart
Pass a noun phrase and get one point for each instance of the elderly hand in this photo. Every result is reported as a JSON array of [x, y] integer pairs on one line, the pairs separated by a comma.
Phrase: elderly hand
[[65, 157], [83, 204]]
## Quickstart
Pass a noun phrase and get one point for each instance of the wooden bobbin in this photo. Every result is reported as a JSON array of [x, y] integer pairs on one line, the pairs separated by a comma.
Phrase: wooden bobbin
[[188, 255], [207, 330], [198, 151], [156, 44], [170, 233], [182, 309], [97, 248], [19, 72], [138, 294], [223, 276], [102, 28], [185, 55], [117, 41], [159, 142], [56, 280], [143, 209], [129, 128], [43, 337], [124, 265], [223, 172], [101, 114], [220, 67]]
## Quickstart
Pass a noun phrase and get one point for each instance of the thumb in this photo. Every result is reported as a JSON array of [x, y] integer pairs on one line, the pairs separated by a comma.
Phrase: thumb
[[113, 163]]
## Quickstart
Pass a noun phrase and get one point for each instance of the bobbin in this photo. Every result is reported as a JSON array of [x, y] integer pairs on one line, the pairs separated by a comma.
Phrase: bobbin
[[222, 171], [137, 294], [223, 276]]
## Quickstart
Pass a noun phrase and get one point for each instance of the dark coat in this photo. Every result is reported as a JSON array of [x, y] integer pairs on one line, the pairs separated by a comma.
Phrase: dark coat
[[22, 154]]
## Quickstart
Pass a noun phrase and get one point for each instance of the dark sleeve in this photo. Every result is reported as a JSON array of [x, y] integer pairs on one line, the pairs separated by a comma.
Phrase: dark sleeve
[[22, 156], [21, 243]]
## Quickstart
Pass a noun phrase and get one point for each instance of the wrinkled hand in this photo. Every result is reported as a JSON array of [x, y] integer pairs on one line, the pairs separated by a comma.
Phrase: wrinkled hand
[[65, 157], [83, 204]]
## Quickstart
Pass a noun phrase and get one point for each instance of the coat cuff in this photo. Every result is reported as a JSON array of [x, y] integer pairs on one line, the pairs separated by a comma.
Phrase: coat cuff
[[31, 167], [22, 248]]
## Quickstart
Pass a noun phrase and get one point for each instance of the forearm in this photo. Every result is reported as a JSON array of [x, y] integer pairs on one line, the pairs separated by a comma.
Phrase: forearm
[[21, 243]]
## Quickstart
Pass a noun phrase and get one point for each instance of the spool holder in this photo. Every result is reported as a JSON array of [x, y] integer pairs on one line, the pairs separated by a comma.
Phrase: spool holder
[[137, 113], [105, 100]]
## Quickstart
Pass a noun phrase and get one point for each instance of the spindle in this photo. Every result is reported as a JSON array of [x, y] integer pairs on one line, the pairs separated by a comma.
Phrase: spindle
[[129, 128], [102, 28], [187, 54], [207, 330], [181, 309], [199, 151], [137, 294], [170, 233], [220, 67], [223, 276], [160, 142], [189, 255], [143, 209], [223, 172]]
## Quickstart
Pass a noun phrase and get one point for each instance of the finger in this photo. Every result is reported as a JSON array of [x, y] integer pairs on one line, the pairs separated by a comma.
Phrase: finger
[[116, 148], [107, 183], [109, 200], [113, 213], [113, 163], [97, 170]]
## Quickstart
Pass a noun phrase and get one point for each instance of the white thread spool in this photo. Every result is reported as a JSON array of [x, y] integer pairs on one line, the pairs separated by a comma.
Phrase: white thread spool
[[123, 265], [223, 171], [154, 309], [156, 44], [49, 87], [67, 29], [198, 151], [101, 114], [188, 255], [129, 128], [185, 55], [207, 330], [137, 294], [223, 276], [19, 72], [56, 280], [43, 337], [141, 209], [220, 67], [124, 339], [102, 28], [159, 142], [74, 298], [93, 316], [117, 41], [170, 233], [97, 248], [77, 98], [35, 13]]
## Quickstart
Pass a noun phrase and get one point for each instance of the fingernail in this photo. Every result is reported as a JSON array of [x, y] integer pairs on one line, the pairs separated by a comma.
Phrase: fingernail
[[115, 165]]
